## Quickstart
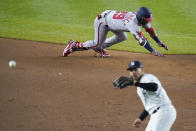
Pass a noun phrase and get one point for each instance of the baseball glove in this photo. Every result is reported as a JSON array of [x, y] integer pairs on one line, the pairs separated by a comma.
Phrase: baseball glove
[[122, 82]]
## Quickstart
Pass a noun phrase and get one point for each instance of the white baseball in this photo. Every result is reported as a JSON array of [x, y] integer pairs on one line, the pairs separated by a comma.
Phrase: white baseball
[[12, 64]]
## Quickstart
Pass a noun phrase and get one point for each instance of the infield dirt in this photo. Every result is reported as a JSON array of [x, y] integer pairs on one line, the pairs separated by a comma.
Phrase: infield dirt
[[48, 92]]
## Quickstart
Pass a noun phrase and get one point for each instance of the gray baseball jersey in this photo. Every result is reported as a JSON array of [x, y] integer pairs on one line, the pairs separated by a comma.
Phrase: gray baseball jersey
[[117, 22], [125, 21]]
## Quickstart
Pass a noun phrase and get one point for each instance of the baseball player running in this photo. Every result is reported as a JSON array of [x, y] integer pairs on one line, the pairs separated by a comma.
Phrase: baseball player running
[[119, 23], [153, 96]]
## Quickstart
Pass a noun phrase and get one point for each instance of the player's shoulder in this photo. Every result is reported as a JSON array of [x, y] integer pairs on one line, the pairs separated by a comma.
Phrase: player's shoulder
[[107, 11], [120, 11], [148, 77]]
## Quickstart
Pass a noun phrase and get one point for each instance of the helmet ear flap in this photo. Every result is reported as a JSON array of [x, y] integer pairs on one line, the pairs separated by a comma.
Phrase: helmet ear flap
[[141, 21]]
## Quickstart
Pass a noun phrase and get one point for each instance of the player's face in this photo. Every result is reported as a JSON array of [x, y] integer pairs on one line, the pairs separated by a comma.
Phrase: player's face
[[136, 73]]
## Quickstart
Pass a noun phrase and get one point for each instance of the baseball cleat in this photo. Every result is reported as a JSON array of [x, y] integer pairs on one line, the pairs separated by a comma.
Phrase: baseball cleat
[[102, 52], [105, 54], [68, 48]]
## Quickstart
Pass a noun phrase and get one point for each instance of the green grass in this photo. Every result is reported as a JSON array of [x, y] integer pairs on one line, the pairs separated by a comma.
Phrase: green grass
[[61, 20]]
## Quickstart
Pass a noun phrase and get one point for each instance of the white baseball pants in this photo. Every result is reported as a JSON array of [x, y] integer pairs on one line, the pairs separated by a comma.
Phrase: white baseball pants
[[162, 120]]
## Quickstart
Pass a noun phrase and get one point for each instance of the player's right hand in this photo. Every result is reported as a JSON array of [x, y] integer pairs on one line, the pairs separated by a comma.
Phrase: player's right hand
[[137, 122]]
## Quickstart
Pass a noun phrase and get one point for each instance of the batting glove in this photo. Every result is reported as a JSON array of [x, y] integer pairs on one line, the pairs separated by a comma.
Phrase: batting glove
[[157, 53], [163, 45]]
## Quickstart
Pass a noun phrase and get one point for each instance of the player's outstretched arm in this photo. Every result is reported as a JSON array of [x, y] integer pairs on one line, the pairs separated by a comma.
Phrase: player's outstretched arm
[[145, 43], [148, 47], [155, 37]]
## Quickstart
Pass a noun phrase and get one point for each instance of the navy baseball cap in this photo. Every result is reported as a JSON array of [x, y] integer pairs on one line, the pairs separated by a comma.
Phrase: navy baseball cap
[[134, 65]]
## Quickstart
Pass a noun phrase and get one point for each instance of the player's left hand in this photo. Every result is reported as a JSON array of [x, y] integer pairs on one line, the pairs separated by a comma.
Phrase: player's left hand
[[163, 45], [122, 82], [156, 53]]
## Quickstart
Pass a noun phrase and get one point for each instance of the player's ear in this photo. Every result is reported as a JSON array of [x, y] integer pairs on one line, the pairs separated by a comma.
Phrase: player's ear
[[139, 70]]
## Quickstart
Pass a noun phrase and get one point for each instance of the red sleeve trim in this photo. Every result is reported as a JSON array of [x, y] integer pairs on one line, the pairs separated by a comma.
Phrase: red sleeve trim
[[149, 30]]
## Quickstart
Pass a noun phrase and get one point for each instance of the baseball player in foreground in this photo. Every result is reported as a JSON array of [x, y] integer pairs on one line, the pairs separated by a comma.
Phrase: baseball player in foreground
[[119, 23], [153, 96]]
